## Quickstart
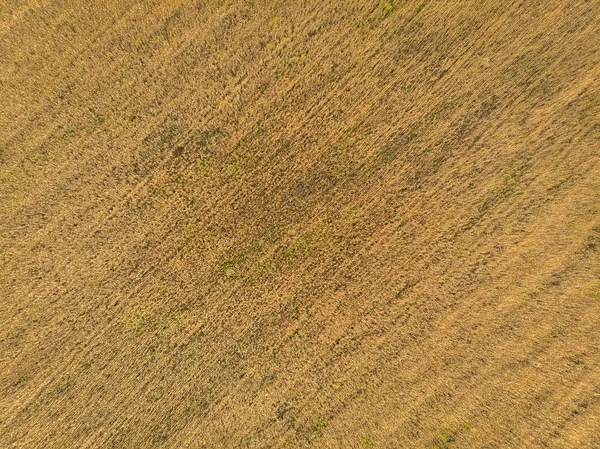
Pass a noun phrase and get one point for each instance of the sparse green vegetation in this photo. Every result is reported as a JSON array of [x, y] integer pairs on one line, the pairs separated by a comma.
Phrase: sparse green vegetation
[[369, 442], [388, 7], [232, 264], [318, 429], [301, 246], [443, 439]]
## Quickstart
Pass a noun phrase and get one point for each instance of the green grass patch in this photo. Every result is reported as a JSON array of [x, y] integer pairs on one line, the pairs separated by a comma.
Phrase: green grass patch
[[368, 442], [231, 265]]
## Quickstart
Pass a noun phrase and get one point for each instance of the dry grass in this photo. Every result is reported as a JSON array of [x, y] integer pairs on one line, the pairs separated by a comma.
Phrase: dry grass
[[294, 224]]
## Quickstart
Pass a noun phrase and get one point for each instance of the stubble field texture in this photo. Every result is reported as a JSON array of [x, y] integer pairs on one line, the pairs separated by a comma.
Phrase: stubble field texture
[[294, 224]]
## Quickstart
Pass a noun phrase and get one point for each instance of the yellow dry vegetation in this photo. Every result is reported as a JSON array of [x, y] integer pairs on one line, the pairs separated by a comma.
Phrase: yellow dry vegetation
[[292, 224]]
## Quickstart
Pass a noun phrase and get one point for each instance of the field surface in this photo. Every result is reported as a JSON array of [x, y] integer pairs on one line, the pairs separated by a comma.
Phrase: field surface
[[295, 224]]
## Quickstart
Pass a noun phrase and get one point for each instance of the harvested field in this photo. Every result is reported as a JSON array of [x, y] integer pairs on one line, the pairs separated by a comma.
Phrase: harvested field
[[294, 224]]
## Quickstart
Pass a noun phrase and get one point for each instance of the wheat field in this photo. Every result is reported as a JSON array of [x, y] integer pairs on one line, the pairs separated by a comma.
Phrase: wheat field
[[294, 224]]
